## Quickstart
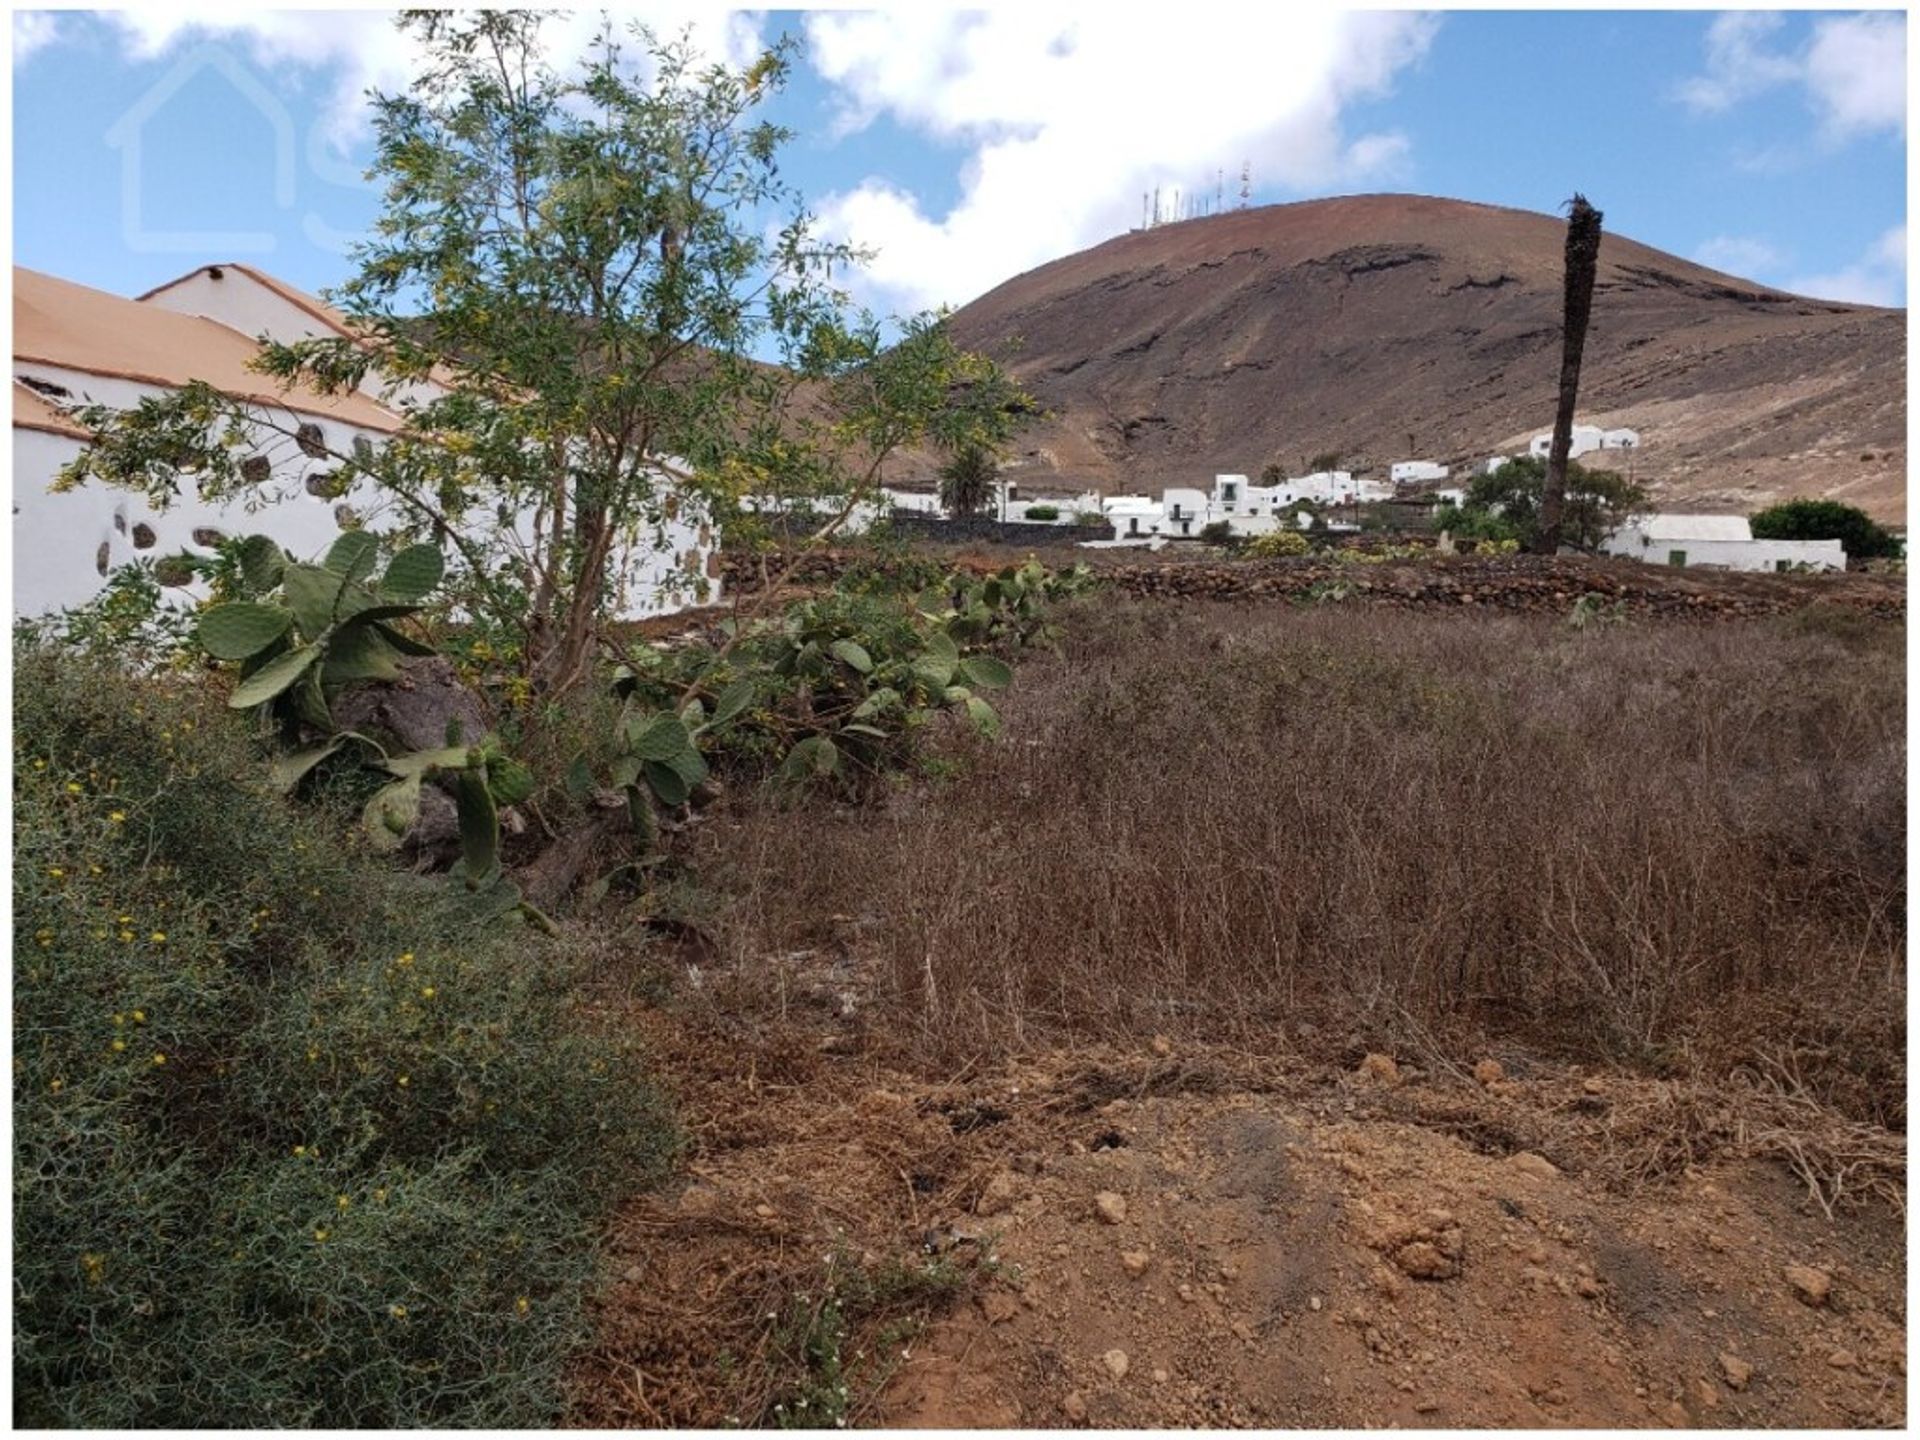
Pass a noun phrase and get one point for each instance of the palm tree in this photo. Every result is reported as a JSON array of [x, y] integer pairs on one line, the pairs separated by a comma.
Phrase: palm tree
[[966, 483], [1583, 260]]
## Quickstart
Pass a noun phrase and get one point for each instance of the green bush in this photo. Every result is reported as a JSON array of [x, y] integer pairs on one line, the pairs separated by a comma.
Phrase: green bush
[[1216, 532], [1043, 512], [297, 1142], [1277, 543], [1827, 520]]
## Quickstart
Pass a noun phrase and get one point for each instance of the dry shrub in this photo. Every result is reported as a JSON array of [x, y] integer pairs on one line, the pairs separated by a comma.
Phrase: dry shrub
[[1606, 843]]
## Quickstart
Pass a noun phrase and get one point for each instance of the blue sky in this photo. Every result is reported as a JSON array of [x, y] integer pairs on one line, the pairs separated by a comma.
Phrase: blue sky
[[971, 147]]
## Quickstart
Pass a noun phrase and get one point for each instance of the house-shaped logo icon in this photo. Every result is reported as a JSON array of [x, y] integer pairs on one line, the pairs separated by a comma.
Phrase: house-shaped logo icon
[[125, 135]]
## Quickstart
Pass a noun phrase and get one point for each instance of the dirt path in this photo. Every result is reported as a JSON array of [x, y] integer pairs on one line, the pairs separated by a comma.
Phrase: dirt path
[[1184, 1237]]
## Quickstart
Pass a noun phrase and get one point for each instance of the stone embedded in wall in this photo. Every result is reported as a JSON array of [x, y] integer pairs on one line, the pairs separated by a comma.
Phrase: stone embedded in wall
[[208, 536], [256, 469], [143, 536], [174, 570], [327, 484], [312, 440], [346, 517], [102, 557]]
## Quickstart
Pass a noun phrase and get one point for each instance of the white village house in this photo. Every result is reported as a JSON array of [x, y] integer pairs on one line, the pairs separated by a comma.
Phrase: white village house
[[1245, 508], [74, 345], [1719, 541], [1586, 439]]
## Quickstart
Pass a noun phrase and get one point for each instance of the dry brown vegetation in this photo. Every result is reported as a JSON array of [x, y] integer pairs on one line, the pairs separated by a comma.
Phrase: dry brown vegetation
[[1679, 850]]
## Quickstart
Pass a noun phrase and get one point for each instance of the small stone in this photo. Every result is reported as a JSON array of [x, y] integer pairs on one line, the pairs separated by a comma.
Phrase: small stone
[[998, 1194], [634, 1273], [1537, 1167], [1379, 1070], [1116, 1363], [1313, 1302], [1842, 1360], [1489, 1071], [1185, 1292], [765, 1212], [1676, 1416], [1811, 1285], [1074, 1406], [1162, 1045], [1136, 1261], [1594, 1085], [1110, 1207], [1737, 1371], [1425, 1407], [1587, 1286], [1707, 1394], [1160, 1377], [999, 1307], [1424, 1261]]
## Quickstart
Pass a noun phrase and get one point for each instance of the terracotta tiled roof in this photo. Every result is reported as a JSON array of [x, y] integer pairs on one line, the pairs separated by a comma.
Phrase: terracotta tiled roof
[[75, 327], [33, 411]]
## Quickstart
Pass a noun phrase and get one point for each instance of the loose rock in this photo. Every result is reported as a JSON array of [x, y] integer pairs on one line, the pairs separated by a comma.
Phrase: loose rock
[[1379, 1070], [1074, 1406], [1136, 1261], [1116, 1363], [1111, 1207], [1737, 1371], [1811, 1285], [1489, 1071], [1536, 1166]]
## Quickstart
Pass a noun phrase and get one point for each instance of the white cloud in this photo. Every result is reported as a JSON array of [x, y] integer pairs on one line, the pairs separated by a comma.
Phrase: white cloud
[[1068, 117], [364, 49], [1743, 255], [33, 30], [1857, 73], [1878, 277], [1852, 70]]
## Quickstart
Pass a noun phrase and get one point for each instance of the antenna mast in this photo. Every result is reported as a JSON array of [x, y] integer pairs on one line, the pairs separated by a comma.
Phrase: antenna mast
[[1246, 182]]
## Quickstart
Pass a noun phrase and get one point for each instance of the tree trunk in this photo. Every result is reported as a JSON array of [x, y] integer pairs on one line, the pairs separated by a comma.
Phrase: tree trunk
[[1583, 260]]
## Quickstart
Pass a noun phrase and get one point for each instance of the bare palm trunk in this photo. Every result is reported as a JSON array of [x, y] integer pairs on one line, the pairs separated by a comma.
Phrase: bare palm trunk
[[1583, 260]]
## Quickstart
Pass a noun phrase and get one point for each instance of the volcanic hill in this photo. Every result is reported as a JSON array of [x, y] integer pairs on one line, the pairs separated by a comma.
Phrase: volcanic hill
[[1390, 327]]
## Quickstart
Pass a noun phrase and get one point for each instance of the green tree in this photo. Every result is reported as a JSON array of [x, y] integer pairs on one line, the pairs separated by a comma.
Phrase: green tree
[[966, 481], [624, 310], [1507, 505], [1826, 520], [1582, 264]]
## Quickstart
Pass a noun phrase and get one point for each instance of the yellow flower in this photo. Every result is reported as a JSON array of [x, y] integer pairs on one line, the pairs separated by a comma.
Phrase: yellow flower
[[426, 992], [95, 1266], [39, 764], [158, 937], [57, 1085], [320, 1236], [159, 1058], [119, 1045], [126, 919], [342, 1201], [401, 1082], [523, 1305], [118, 817], [126, 937], [399, 1312], [73, 787], [56, 872], [139, 1017], [119, 1019], [406, 959], [299, 1149]]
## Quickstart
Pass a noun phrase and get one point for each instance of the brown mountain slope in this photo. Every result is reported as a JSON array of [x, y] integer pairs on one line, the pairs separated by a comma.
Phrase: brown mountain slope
[[1389, 327]]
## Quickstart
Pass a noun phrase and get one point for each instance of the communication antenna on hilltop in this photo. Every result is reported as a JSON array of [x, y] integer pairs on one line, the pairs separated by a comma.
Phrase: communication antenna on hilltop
[[1146, 216], [1246, 182], [1156, 204], [1219, 191]]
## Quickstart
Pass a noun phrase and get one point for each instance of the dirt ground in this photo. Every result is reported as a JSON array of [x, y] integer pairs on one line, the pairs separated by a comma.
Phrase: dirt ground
[[1183, 1236]]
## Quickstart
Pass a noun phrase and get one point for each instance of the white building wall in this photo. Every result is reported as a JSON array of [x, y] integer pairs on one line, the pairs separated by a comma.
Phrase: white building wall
[[1414, 472], [56, 538], [1727, 554]]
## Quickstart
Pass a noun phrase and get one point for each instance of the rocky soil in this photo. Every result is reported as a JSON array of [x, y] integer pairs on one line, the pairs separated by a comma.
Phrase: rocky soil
[[1181, 1236]]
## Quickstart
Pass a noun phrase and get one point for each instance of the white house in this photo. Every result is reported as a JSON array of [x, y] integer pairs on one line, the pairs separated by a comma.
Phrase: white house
[[76, 346], [1416, 472], [1011, 506], [1720, 541], [1245, 508], [1586, 439]]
